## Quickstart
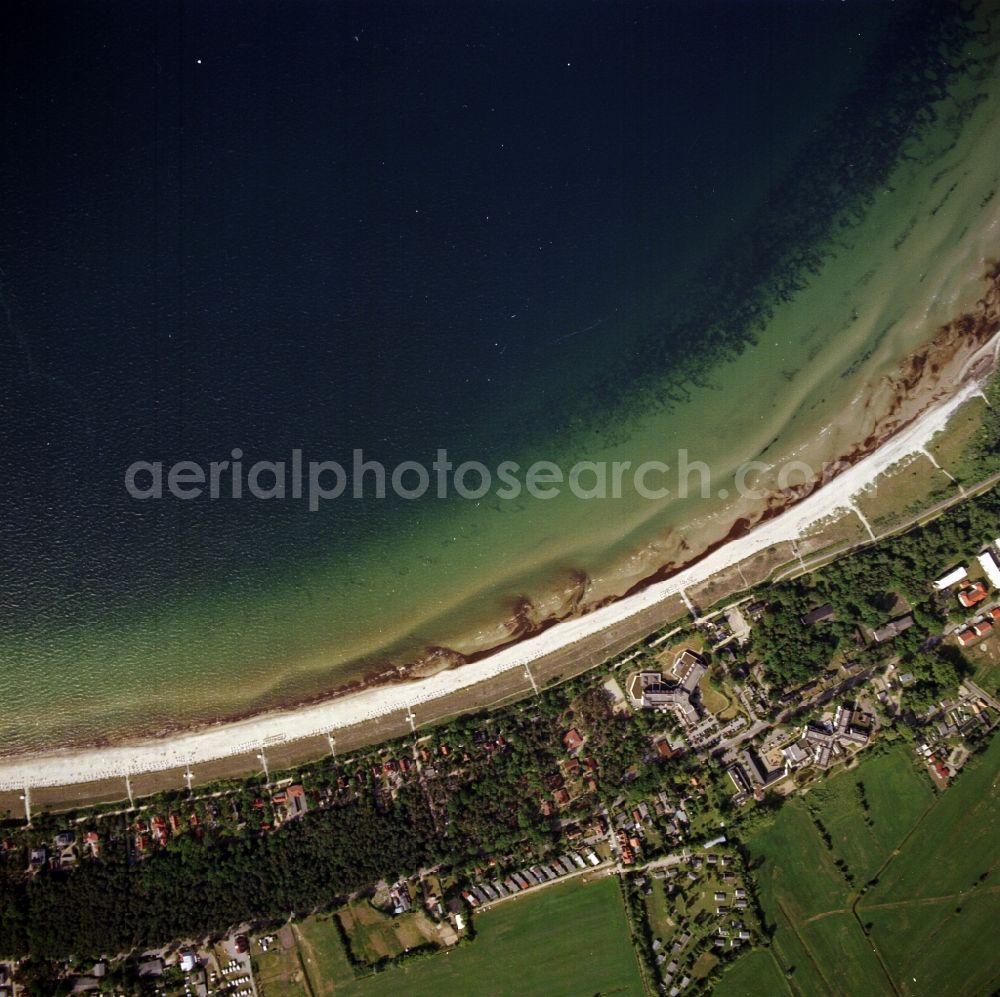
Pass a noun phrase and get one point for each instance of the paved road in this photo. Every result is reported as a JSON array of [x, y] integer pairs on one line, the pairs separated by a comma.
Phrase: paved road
[[979, 691]]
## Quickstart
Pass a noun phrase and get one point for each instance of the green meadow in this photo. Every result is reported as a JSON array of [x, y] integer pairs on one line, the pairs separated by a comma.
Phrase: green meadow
[[932, 914], [903, 899], [569, 940]]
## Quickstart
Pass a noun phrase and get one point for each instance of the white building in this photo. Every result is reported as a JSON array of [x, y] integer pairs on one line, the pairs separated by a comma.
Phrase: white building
[[990, 567], [952, 578]]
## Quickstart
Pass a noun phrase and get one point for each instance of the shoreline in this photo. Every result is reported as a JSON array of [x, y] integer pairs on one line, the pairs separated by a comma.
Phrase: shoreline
[[782, 521]]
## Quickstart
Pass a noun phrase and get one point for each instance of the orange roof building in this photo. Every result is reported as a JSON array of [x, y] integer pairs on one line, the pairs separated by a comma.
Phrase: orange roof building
[[971, 596]]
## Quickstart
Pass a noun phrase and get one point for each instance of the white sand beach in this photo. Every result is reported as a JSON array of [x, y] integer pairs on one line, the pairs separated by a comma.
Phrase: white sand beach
[[251, 734]]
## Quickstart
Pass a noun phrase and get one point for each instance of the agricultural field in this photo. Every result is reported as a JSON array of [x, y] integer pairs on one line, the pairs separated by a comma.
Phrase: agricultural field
[[797, 871], [845, 958], [932, 914], [568, 940], [959, 839], [797, 880], [937, 858], [939, 948]]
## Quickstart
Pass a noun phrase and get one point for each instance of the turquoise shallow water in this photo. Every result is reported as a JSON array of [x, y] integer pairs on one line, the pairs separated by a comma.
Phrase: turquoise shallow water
[[490, 231]]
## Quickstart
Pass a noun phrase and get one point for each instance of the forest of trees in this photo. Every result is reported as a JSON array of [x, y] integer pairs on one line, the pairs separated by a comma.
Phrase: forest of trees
[[863, 589], [196, 888], [486, 802]]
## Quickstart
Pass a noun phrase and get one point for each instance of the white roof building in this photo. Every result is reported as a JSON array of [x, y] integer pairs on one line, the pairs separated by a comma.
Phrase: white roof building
[[953, 577], [991, 568]]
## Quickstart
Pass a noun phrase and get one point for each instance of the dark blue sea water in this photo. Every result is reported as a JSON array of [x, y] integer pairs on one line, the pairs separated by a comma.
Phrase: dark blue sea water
[[339, 225], [393, 226]]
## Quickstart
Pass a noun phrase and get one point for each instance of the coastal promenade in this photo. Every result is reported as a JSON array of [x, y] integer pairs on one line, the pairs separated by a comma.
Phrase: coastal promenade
[[382, 712]]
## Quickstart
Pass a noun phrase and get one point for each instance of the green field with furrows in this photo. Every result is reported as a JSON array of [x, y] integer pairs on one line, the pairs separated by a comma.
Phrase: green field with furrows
[[939, 948], [959, 839], [933, 912], [567, 940], [846, 960], [797, 871], [926, 925]]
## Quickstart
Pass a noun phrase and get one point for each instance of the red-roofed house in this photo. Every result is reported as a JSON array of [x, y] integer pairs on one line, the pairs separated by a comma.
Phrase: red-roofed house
[[970, 596]]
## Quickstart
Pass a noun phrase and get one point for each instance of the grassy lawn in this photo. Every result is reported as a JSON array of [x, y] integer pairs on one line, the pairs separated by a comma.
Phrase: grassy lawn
[[753, 975], [322, 954], [279, 974], [308, 958], [984, 656], [950, 445], [714, 699], [658, 910], [908, 487], [376, 936]]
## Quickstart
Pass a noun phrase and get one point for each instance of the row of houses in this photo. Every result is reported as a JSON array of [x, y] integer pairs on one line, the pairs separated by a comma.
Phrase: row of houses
[[524, 879], [64, 853], [978, 629]]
